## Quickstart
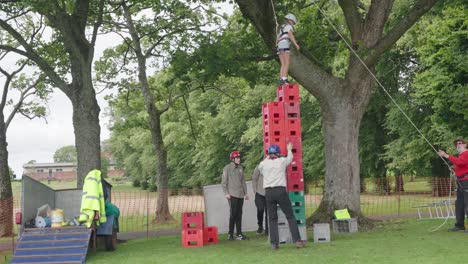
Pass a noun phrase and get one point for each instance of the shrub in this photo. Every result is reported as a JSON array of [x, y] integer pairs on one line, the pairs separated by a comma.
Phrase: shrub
[[136, 183]]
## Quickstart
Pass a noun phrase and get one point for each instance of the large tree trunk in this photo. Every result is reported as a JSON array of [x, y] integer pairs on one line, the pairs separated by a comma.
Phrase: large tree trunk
[[87, 130], [81, 90], [162, 214], [341, 121], [6, 194], [162, 206], [85, 107], [162, 209]]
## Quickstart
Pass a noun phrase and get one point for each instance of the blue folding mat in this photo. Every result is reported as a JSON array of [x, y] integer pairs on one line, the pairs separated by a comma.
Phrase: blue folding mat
[[52, 245]]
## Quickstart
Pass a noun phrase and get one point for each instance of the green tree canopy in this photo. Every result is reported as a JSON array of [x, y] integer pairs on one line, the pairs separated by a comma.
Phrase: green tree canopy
[[65, 154]]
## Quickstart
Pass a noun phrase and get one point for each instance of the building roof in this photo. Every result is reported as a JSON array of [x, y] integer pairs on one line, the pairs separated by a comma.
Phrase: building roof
[[49, 165]]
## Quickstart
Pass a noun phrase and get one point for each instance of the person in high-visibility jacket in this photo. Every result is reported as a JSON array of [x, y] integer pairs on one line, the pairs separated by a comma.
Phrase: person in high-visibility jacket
[[92, 199]]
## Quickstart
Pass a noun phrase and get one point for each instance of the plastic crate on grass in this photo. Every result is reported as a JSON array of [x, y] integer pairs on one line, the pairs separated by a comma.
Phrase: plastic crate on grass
[[210, 235], [321, 233], [192, 237], [345, 225], [284, 234], [193, 220]]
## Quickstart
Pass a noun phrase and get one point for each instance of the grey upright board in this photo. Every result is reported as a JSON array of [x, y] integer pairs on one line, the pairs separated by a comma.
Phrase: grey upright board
[[34, 195], [217, 209], [69, 201]]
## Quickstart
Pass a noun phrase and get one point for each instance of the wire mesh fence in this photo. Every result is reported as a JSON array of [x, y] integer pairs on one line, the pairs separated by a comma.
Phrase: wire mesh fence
[[386, 198]]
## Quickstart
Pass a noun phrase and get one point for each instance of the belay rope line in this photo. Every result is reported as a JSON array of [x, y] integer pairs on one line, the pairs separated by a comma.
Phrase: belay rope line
[[392, 99], [274, 15], [448, 203]]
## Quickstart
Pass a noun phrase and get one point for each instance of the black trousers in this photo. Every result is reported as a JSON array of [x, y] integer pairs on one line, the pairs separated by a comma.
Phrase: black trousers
[[278, 196], [260, 203], [235, 217], [461, 204]]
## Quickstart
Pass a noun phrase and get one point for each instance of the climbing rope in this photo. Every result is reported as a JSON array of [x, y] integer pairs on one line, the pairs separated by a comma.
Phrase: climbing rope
[[274, 15], [433, 229]]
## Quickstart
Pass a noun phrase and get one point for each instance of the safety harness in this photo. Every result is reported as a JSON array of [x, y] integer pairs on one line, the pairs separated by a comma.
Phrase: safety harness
[[283, 34]]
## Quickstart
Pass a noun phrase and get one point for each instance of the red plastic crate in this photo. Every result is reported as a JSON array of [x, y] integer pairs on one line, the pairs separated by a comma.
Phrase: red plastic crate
[[297, 159], [273, 110], [210, 235], [193, 220], [294, 168], [295, 182], [297, 149], [274, 127], [192, 237], [292, 110], [293, 127], [288, 93]]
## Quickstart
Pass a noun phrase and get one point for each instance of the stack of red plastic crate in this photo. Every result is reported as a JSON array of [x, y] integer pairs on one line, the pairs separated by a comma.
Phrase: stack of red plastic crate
[[281, 125], [194, 231]]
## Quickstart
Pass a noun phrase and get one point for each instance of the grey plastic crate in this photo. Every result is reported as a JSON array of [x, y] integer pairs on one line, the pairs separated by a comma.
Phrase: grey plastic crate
[[321, 233], [285, 235], [281, 217], [345, 225]]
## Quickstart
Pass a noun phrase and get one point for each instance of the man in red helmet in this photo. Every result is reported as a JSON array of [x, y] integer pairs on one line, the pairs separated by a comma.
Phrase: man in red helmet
[[235, 190]]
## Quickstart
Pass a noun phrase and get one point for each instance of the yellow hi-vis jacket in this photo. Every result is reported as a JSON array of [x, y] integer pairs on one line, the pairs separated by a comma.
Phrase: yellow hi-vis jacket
[[92, 199]]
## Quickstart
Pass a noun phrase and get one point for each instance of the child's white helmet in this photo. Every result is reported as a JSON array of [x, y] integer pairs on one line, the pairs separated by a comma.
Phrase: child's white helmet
[[292, 17]]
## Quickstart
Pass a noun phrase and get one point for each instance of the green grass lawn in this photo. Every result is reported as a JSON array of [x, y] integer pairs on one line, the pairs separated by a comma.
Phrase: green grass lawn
[[398, 241]]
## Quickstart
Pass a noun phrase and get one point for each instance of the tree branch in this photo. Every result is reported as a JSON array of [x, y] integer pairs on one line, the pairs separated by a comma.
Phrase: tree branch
[[6, 86], [192, 129], [18, 105], [98, 23], [30, 54], [376, 19], [353, 18], [173, 99], [81, 13], [419, 9]]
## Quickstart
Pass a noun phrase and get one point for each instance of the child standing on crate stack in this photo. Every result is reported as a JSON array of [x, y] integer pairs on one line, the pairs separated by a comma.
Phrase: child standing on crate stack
[[284, 37]]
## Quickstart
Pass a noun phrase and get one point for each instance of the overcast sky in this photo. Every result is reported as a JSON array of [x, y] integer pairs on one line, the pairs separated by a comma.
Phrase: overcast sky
[[38, 140]]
